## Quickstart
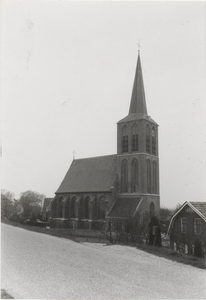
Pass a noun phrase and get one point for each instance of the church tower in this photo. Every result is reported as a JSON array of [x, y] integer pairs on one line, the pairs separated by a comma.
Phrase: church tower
[[137, 151]]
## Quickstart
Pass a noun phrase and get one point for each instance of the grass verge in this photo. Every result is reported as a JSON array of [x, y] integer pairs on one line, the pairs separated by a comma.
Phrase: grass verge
[[174, 256]]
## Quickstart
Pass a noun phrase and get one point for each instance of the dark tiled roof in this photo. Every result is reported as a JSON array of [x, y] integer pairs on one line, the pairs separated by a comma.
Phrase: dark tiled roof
[[90, 175], [200, 206], [124, 207]]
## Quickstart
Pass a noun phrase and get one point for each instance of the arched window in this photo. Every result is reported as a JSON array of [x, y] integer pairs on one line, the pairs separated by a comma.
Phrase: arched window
[[153, 141], [60, 208], [154, 176], [148, 176], [152, 209], [66, 208], [147, 139], [86, 207], [135, 145], [73, 207], [124, 176], [124, 139], [134, 176], [101, 207]]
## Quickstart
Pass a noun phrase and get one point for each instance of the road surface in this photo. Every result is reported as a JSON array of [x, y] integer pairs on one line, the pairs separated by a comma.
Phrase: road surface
[[39, 266]]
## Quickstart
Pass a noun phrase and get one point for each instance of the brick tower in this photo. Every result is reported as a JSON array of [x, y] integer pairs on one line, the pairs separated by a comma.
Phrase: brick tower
[[137, 151]]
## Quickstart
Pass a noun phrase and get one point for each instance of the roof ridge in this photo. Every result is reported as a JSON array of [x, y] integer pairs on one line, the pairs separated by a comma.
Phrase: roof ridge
[[198, 202], [93, 157]]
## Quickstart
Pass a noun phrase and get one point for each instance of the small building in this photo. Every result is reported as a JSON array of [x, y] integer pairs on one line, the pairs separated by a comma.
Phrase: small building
[[46, 208], [187, 228]]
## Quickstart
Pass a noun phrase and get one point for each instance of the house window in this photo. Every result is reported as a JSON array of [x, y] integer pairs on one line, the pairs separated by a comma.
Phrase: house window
[[124, 176], [197, 226], [183, 225], [147, 139], [124, 139], [134, 138]]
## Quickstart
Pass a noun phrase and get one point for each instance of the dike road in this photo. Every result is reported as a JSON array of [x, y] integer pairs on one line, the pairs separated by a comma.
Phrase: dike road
[[39, 266]]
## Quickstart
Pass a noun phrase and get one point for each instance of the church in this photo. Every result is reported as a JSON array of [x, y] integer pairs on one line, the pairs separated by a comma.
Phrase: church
[[116, 186]]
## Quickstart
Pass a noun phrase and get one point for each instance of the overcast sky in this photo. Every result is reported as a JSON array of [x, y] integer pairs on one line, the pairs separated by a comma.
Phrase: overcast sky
[[68, 71]]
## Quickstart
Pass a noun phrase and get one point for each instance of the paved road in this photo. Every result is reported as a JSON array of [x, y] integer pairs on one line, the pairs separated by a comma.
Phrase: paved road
[[37, 266]]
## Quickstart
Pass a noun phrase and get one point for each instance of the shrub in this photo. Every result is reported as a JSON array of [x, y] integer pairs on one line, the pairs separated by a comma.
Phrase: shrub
[[154, 237], [198, 249]]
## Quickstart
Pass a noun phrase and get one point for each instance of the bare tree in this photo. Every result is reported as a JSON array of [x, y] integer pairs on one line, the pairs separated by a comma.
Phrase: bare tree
[[112, 230], [137, 227], [131, 229], [166, 213]]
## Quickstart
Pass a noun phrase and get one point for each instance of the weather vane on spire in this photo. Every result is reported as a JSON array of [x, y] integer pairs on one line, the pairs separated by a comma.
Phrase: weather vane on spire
[[73, 152], [139, 46]]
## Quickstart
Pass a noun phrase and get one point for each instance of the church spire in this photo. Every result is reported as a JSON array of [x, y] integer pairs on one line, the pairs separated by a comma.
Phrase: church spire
[[138, 102]]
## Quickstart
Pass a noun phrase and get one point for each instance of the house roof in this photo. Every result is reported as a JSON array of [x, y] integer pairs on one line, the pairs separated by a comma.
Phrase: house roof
[[124, 207], [46, 203], [198, 207], [95, 174]]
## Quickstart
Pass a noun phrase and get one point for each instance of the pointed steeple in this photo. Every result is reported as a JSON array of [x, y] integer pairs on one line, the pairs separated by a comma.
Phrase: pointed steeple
[[138, 102]]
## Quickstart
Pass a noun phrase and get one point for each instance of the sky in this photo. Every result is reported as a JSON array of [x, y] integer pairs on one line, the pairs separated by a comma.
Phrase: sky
[[68, 71]]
